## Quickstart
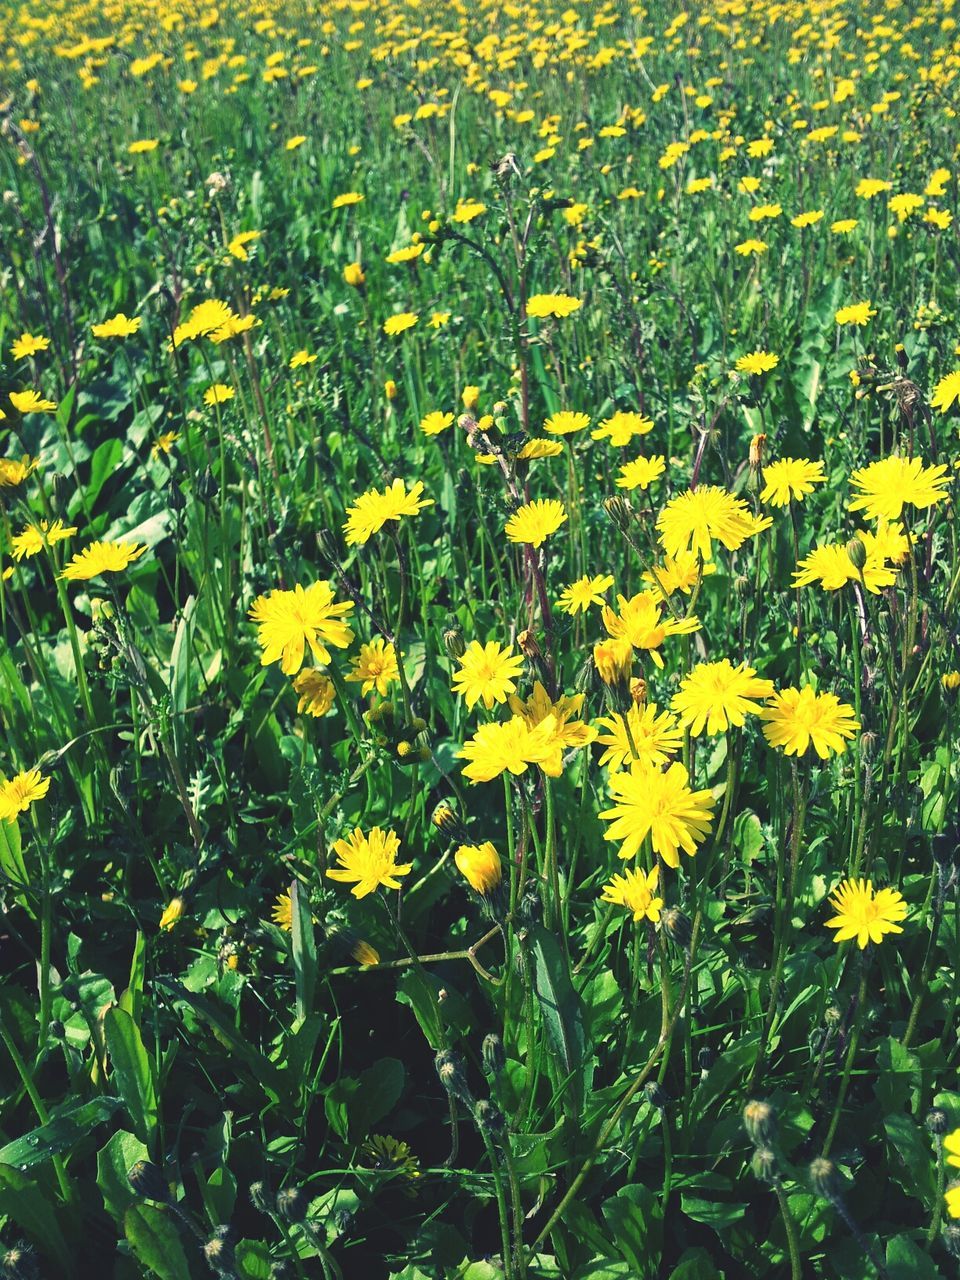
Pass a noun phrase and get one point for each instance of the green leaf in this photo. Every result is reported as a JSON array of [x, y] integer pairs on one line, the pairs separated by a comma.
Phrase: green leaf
[[22, 1201], [304, 950], [695, 1265], [355, 1105], [103, 464], [154, 1239], [906, 1261], [562, 1013], [415, 990], [252, 1260], [61, 1132], [636, 1219], [132, 1073], [11, 859], [113, 1163], [181, 656], [898, 1077], [911, 1161]]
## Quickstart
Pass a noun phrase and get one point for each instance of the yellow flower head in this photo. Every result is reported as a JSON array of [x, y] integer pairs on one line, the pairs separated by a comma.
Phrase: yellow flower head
[[218, 393], [375, 667], [795, 719], [580, 595], [431, 424], [14, 471], [479, 864], [400, 323], [857, 313], [790, 479], [102, 557], [890, 483], [486, 673], [635, 890], [716, 696], [865, 915], [373, 509], [369, 862], [534, 522], [679, 573], [565, 422], [691, 521], [20, 792], [641, 473], [641, 624], [28, 345], [661, 805], [317, 692], [348, 198], [33, 538], [354, 276], [31, 402], [541, 305], [621, 427], [645, 734], [288, 621], [513, 746], [757, 362], [119, 326]]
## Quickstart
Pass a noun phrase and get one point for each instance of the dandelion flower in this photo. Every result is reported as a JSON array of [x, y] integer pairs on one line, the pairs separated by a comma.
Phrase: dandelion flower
[[300, 359], [857, 313], [348, 198], [621, 427], [514, 746], [692, 520], [679, 573], [716, 696], [635, 890], [757, 362], [641, 623], [580, 595], [28, 345], [281, 913], [119, 326], [432, 424], [645, 734], [102, 557], [20, 792], [831, 566], [373, 509], [790, 479], [797, 718], [142, 146], [565, 422], [541, 305], [353, 275], [297, 140], [288, 621], [31, 402], [375, 666], [746, 248], [641, 473], [218, 393], [487, 673], [534, 522], [480, 866], [237, 247], [33, 538], [369, 862], [317, 692], [890, 483], [658, 804], [865, 915], [569, 730], [398, 324], [14, 471]]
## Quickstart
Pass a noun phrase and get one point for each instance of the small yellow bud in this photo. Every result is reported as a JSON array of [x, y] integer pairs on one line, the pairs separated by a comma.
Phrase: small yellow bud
[[479, 864], [172, 913]]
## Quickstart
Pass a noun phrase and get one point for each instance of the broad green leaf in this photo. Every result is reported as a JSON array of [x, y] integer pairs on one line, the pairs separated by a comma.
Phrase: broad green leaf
[[906, 1260], [62, 1131], [132, 1073], [304, 948], [252, 1260], [636, 1220], [355, 1105], [113, 1163], [153, 1236], [695, 1265], [22, 1201], [562, 1013]]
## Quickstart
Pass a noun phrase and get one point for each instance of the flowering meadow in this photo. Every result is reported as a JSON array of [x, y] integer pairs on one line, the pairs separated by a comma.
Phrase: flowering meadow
[[479, 645]]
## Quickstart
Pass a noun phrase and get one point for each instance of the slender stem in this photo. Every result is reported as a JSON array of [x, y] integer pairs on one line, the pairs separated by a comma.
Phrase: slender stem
[[848, 1062], [790, 1230]]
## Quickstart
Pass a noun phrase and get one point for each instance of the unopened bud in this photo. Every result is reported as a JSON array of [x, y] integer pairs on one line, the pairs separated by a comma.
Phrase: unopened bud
[[489, 1117], [764, 1164], [292, 1203], [655, 1095], [444, 818], [218, 1251], [823, 1178], [260, 1197], [147, 1181], [705, 1060], [951, 1237], [857, 553], [529, 646], [619, 511], [760, 1122], [937, 1121], [676, 926], [638, 691], [757, 445], [450, 1070], [454, 642], [494, 1055]]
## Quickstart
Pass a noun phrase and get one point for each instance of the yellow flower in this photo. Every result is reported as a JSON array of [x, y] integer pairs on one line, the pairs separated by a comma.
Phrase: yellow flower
[[102, 557], [569, 730], [467, 210], [348, 198], [795, 718], [641, 624], [890, 483], [479, 864], [857, 313], [535, 521], [373, 509], [238, 245], [692, 520], [172, 912], [541, 305], [408, 254], [757, 362], [580, 595], [635, 890], [540, 449], [867, 188], [679, 573], [400, 323], [31, 541], [288, 621], [353, 275], [375, 666], [661, 805], [219, 393], [439, 319], [832, 567], [301, 358], [317, 692], [843, 226], [621, 427], [28, 345], [807, 219], [905, 204], [31, 402], [297, 140], [761, 212], [790, 478], [369, 862], [644, 734], [120, 326], [142, 146], [281, 913], [205, 318], [947, 392], [20, 792], [486, 672], [470, 398], [432, 424], [716, 696], [863, 914], [164, 443], [14, 471], [565, 422], [747, 247], [513, 746], [613, 660], [641, 473], [390, 389]]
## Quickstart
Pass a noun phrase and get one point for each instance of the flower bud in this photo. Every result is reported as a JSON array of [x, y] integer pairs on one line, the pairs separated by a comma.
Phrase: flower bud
[[950, 1234], [470, 396], [218, 1251], [857, 553], [480, 866], [390, 389], [757, 445], [292, 1203], [613, 660], [494, 1055], [147, 1181], [619, 511], [490, 1118], [354, 276], [450, 1070], [655, 1095], [638, 692], [172, 912], [677, 926], [454, 642], [764, 1164], [529, 646], [705, 1060], [364, 953], [260, 1197], [760, 1122], [937, 1121], [823, 1178], [207, 486], [18, 1263]]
